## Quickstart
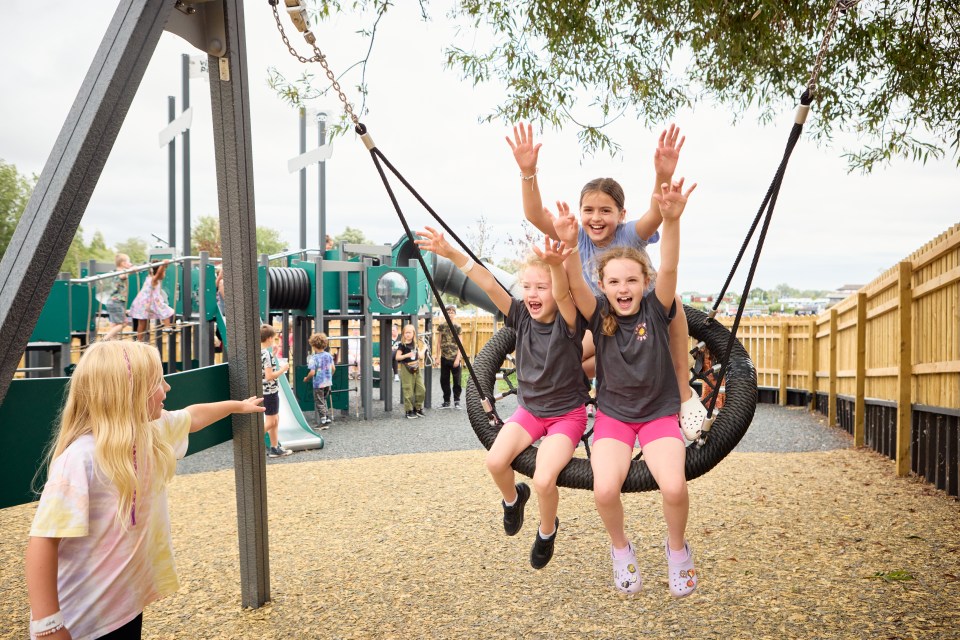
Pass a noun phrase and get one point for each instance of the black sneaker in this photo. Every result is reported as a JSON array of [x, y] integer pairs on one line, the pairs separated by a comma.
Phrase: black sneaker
[[411, 415], [419, 413], [272, 452], [542, 549], [445, 405], [281, 452], [513, 516], [456, 404]]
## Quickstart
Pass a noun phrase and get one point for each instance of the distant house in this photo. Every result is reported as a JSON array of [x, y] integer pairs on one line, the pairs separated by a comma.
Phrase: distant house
[[842, 293]]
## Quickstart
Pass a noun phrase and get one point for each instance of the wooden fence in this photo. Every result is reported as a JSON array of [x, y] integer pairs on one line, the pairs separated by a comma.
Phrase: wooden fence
[[884, 364]]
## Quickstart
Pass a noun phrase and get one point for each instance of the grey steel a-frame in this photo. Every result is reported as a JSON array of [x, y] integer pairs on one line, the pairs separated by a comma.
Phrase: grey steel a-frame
[[49, 223]]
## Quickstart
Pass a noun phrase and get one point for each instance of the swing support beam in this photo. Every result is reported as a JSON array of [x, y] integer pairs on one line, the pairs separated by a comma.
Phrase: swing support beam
[[49, 223]]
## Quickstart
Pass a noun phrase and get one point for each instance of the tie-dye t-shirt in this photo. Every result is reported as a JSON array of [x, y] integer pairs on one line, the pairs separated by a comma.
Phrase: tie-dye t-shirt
[[106, 576]]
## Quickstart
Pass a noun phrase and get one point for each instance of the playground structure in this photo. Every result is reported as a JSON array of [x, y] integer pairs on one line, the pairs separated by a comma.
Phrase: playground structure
[[355, 300], [57, 205]]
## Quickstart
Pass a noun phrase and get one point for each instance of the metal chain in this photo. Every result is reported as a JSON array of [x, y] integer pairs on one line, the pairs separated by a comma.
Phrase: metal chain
[[320, 58], [840, 6]]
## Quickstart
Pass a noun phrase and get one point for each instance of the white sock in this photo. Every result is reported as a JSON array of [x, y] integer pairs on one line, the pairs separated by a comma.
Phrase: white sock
[[510, 504]]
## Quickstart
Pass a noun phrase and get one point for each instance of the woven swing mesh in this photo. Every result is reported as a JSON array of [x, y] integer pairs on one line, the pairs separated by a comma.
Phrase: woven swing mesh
[[730, 426]]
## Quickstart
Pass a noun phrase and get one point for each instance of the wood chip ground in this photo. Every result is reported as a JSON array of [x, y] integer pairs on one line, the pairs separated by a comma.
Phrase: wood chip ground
[[801, 545]]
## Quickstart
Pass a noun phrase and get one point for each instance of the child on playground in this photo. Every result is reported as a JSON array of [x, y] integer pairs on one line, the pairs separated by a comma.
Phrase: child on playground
[[551, 386], [271, 390], [636, 395], [100, 548], [603, 226], [321, 368], [151, 302], [117, 307], [450, 360], [409, 353]]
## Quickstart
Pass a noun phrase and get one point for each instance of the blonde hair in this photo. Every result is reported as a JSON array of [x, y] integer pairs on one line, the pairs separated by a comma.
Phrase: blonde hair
[[532, 261], [119, 259], [609, 324], [108, 398], [412, 328]]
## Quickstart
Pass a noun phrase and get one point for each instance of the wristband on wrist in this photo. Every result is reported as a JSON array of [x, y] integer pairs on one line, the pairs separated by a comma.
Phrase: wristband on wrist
[[530, 177], [47, 626], [469, 264]]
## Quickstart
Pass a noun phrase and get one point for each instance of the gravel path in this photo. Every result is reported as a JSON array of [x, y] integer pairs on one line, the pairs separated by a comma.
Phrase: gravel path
[[774, 430]]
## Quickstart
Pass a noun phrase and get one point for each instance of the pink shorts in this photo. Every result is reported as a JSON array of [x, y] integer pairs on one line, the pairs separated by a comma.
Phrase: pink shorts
[[571, 424], [630, 432]]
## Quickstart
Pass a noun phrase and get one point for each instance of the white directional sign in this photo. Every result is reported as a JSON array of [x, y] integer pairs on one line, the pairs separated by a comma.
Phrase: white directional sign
[[176, 127], [310, 157]]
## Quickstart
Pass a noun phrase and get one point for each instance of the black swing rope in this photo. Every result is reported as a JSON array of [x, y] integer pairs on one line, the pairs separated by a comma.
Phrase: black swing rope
[[377, 156], [735, 364], [714, 375]]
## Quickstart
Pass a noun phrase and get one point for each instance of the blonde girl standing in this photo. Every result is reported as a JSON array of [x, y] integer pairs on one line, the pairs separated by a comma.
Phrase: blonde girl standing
[[410, 354], [100, 547]]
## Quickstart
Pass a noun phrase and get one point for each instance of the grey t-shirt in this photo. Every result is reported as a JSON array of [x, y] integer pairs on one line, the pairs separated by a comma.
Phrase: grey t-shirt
[[635, 377], [550, 376], [625, 236]]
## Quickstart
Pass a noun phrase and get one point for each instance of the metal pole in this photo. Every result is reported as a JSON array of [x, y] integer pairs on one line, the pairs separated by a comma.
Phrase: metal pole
[[322, 176], [206, 328], [185, 67], [303, 180], [172, 172]]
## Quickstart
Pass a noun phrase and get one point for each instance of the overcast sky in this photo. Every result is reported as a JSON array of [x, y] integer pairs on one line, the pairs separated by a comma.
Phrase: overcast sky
[[830, 228]]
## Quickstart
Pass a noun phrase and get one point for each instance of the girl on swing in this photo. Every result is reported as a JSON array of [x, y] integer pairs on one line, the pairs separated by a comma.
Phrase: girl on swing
[[637, 399], [551, 387], [603, 226]]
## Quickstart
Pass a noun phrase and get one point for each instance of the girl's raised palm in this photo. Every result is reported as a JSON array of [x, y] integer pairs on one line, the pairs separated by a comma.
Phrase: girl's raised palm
[[672, 199], [565, 224], [554, 251], [432, 240], [525, 152]]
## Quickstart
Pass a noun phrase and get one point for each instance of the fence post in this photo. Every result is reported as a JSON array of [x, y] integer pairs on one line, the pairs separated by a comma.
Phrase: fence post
[[814, 353], [859, 405], [905, 366], [832, 386], [784, 353]]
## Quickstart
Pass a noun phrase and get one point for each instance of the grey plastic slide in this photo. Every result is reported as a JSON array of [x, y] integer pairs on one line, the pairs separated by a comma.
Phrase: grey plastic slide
[[451, 280], [295, 434]]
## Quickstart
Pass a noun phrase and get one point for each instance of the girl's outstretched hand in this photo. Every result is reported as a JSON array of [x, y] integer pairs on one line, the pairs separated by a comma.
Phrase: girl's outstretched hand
[[432, 240], [668, 151], [672, 199], [252, 404], [565, 224], [554, 251], [525, 152]]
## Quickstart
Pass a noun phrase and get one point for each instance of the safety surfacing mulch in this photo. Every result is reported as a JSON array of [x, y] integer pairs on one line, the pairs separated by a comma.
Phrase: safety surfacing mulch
[[803, 545]]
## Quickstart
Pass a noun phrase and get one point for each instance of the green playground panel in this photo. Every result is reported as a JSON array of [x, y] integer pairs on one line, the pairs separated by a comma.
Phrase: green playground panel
[[211, 292], [54, 322], [83, 308], [27, 416], [31, 409]]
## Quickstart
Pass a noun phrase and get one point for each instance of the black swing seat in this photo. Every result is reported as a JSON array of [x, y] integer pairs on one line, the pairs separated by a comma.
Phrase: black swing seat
[[740, 382]]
